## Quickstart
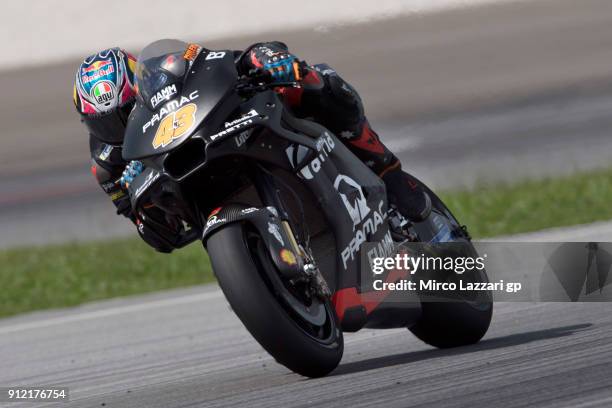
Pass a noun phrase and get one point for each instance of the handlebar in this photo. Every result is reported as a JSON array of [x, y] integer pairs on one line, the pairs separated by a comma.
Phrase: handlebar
[[258, 81]]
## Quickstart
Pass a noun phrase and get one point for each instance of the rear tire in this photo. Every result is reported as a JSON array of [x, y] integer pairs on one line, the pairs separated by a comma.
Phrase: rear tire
[[451, 323], [243, 273]]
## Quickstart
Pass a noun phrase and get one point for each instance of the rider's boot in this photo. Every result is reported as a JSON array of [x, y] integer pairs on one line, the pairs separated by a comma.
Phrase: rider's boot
[[406, 194]]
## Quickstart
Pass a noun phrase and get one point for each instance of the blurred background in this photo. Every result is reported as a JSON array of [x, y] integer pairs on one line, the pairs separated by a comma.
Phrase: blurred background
[[466, 92]]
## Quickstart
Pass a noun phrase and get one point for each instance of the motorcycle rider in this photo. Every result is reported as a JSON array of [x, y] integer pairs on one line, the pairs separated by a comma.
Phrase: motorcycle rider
[[104, 94]]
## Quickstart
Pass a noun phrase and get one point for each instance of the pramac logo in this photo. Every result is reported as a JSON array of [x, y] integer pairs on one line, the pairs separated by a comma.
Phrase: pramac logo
[[366, 220], [352, 197]]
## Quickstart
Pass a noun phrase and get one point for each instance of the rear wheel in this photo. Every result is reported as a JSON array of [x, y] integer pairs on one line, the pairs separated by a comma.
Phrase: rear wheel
[[465, 319], [457, 321], [299, 331]]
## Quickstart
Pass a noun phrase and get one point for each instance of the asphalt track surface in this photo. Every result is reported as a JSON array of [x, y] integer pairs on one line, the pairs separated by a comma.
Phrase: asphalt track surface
[[499, 92], [187, 349]]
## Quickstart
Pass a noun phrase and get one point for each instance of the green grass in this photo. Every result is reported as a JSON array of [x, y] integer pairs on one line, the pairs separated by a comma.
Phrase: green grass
[[67, 275], [534, 205]]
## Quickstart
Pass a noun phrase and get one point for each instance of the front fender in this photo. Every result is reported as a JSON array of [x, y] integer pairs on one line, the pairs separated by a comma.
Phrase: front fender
[[267, 222]]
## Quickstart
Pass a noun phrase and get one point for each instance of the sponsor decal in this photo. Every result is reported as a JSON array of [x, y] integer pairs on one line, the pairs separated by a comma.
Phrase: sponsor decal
[[163, 95], [95, 66], [242, 138], [250, 114], [97, 70], [248, 210], [169, 108], [288, 257], [140, 226], [108, 149], [325, 145], [117, 195], [370, 225], [234, 125], [108, 186], [353, 198], [151, 178], [382, 249], [192, 52], [274, 229], [214, 220], [215, 55], [103, 92], [366, 221]]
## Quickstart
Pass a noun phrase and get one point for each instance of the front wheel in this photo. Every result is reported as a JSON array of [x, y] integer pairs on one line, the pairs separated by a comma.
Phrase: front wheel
[[301, 333]]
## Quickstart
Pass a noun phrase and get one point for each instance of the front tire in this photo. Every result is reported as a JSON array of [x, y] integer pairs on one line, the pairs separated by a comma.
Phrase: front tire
[[252, 286]]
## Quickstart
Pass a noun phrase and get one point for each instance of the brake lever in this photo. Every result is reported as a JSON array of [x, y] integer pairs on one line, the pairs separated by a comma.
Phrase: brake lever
[[289, 84], [249, 87]]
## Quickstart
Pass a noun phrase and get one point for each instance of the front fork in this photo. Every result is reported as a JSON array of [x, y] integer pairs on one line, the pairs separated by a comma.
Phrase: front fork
[[270, 196]]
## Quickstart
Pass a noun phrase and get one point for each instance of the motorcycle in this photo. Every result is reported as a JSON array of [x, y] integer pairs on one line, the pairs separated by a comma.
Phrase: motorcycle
[[282, 208]]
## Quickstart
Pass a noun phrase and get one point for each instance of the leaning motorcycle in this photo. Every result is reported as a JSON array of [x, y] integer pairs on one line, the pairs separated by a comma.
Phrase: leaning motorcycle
[[283, 209]]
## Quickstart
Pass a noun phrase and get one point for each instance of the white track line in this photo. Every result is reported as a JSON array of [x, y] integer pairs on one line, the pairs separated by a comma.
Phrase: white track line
[[113, 311]]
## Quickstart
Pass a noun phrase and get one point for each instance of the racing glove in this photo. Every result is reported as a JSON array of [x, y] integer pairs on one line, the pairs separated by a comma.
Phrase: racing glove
[[274, 59], [132, 170]]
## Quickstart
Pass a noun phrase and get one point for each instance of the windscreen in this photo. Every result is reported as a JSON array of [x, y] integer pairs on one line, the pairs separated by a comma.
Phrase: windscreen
[[160, 64]]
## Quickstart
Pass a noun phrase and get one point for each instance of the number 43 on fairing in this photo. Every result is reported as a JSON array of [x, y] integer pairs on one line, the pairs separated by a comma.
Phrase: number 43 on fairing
[[175, 125]]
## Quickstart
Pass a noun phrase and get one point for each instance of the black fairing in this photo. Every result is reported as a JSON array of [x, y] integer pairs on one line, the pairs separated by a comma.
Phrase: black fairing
[[206, 84]]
